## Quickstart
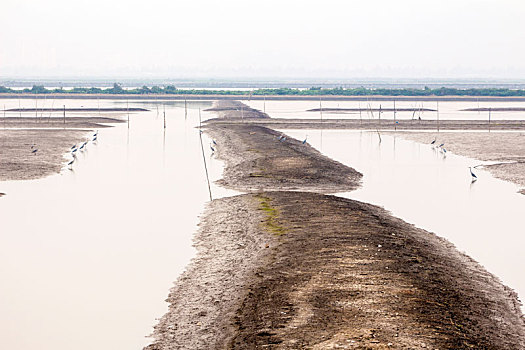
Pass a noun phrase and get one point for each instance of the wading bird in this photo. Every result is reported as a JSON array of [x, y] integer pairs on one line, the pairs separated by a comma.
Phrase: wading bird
[[474, 177], [433, 142], [306, 138], [34, 151], [214, 142], [441, 145], [212, 149], [71, 163]]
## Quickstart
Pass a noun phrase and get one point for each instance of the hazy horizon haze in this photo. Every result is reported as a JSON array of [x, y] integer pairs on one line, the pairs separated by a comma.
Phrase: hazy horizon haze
[[463, 39]]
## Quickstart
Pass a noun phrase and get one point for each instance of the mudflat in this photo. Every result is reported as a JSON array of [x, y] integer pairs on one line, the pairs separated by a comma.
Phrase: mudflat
[[51, 139], [381, 125], [505, 149], [290, 267]]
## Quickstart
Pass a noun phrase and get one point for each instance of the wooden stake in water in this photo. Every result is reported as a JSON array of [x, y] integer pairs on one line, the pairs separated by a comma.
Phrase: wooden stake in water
[[42, 109], [320, 108], [264, 104], [185, 108], [164, 116], [242, 113], [200, 120], [395, 121], [64, 114], [51, 111], [437, 111], [127, 108], [19, 108], [4, 116], [479, 111], [360, 116], [490, 112], [204, 160]]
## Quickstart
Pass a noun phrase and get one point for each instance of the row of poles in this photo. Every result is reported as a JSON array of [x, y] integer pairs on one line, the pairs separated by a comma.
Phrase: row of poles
[[369, 110]]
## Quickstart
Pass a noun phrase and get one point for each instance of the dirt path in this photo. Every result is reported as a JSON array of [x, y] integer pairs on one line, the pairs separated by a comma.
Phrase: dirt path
[[302, 270]]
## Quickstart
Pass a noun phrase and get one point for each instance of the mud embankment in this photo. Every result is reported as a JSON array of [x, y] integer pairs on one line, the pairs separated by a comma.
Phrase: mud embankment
[[86, 109], [287, 269], [235, 110], [383, 124], [260, 159], [57, 122], [357, 110], [51, 139]]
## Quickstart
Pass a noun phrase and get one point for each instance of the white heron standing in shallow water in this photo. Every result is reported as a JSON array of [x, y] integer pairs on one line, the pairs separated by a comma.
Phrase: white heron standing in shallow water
[[474, 177]]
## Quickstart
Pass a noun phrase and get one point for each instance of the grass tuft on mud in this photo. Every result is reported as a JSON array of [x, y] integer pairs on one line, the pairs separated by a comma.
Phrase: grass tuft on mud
[[271, 222]]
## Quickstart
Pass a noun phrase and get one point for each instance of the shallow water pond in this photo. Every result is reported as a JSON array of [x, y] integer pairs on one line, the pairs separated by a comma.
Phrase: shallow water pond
[[87, 257], [424, 187], [427, 110]]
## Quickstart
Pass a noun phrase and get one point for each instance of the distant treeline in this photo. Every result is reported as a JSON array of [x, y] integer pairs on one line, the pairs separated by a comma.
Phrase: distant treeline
[[313, 91]]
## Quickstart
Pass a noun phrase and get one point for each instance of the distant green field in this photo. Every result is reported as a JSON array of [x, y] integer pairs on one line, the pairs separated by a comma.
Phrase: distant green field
[[313, 91]]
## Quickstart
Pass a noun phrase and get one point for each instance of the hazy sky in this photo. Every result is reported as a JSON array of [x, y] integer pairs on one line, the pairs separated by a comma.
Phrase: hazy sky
[[205, 38]]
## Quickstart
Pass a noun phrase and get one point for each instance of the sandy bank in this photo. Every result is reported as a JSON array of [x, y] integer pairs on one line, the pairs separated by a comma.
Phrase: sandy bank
[[383, 125], [43, 110], [292, 270], [236, 110], [357, 110], [54, 122], [503, 147], [257, 159], [51, 137], [496, 109]]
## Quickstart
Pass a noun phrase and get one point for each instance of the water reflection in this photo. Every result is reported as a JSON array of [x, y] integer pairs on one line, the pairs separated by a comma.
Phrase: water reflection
[[434, 191], [87, 257], [426, 110]]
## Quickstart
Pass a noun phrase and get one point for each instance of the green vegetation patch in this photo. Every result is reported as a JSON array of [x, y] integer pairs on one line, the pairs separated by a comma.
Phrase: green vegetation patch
[[271, 223], [313, 91]]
